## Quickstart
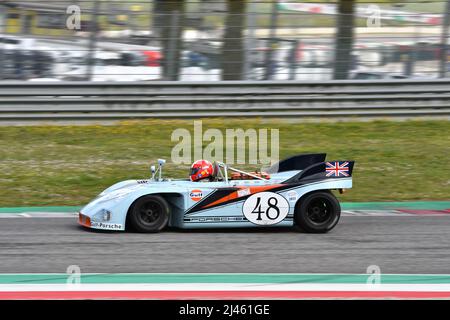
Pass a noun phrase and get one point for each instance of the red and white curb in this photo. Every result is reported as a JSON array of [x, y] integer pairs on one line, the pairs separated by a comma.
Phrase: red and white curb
[[224, 291]]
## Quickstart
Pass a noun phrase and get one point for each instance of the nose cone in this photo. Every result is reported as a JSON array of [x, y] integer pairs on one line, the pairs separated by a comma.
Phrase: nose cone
[[84, 220]]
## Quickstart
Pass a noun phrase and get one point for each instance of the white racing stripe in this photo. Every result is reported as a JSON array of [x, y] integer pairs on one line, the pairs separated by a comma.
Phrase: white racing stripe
[[225, 287]]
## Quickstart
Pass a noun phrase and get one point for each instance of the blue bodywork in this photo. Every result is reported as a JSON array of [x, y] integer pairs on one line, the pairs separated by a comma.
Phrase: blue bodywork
[[214, 204]]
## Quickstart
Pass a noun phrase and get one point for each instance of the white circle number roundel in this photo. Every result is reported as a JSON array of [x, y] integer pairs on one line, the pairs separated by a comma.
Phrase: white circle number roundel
[[265, 208]]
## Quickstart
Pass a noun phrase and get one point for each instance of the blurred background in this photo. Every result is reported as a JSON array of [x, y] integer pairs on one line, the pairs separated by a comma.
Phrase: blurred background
[[212, 40], [92, 92]]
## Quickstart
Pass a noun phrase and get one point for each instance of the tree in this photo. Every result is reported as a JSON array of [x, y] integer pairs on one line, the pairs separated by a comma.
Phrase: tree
[[168, 25], [344, 39], [444, 39], [345, 34], [233, 49]]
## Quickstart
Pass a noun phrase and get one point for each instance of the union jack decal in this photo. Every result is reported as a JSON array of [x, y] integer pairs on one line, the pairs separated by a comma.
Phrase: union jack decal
[[337, 169]]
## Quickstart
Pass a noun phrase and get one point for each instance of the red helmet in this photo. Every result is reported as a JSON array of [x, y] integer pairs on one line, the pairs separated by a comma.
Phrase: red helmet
[[201, 169]]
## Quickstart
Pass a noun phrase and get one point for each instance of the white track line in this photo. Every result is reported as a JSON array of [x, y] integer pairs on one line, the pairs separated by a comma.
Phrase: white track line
[[345, 213], [39, 215]]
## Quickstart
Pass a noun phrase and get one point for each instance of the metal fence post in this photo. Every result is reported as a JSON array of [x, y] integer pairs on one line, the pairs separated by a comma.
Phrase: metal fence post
[[173, 41], [292, 60], [2, 61], [344, 38], [250, 40], [2, 29], [270, 68], [3, 15], [92, 41]]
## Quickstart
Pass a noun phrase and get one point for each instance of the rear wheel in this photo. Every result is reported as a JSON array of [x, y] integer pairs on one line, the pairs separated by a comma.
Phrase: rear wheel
[[149, 214], [317, 212]]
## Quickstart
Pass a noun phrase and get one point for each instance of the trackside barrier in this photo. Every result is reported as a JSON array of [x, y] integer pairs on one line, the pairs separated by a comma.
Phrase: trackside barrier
[[31, 101]]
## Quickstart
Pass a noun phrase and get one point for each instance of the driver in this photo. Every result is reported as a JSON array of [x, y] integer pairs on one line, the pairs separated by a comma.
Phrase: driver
[[201, 169]]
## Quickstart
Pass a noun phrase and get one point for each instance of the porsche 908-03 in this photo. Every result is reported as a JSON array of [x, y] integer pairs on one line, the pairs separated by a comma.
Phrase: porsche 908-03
[[296, 192]]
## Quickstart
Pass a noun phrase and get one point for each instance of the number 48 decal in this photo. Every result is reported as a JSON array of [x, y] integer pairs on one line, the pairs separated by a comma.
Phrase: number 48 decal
[[265, 208], [271, 206]]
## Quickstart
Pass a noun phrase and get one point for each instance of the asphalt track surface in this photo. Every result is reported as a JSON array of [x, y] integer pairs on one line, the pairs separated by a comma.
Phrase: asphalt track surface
[[397, 244]]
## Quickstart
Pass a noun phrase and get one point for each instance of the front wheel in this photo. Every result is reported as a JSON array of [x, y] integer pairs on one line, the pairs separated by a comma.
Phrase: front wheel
[[149, 214], [317, 212]]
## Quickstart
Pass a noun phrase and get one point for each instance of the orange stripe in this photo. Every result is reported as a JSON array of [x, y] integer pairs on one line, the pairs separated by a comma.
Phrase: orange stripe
[[234, 195]]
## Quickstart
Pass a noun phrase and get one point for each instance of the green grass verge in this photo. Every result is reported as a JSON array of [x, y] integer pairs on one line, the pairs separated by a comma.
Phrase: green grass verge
[[68, 165], [282, 278]]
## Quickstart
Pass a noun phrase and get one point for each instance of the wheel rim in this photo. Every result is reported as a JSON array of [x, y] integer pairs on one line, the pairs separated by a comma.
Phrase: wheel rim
[[150, 213], [319, 211]]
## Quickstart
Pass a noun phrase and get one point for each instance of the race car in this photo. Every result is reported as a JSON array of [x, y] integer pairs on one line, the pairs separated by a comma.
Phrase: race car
[[295, 192]]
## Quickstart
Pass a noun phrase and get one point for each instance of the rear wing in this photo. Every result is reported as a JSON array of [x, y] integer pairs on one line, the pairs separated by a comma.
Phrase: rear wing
[[324, 170], [297, 162]]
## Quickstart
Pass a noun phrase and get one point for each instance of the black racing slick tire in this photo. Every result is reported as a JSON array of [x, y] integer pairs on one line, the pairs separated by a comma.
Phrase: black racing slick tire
[[149, 214], [317, 212]]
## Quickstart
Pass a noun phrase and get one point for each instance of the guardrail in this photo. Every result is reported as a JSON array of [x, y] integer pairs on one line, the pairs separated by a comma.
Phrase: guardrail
[[33, 101]]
